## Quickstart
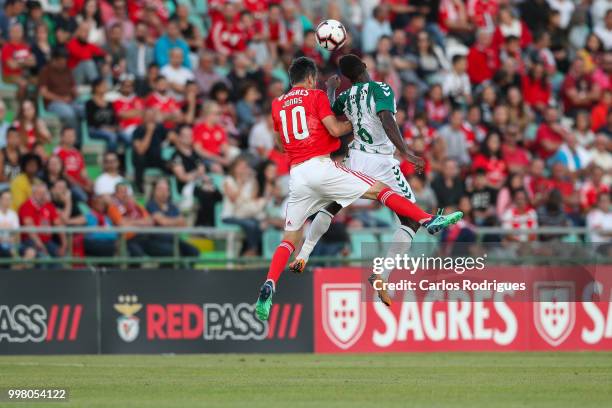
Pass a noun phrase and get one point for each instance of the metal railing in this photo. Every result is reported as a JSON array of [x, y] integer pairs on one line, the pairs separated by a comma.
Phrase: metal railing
[[232, 240]]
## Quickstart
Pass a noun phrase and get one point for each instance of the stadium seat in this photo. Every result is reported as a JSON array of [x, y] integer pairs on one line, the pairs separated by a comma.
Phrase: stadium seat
[[271, 239], [360, 238], [219, 222]]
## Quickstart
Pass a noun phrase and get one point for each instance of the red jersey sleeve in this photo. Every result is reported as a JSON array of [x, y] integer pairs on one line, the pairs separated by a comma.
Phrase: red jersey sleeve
[[323, 106]]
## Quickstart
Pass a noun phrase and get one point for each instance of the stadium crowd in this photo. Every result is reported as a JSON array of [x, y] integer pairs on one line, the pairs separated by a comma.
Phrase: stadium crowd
[[508, 101]]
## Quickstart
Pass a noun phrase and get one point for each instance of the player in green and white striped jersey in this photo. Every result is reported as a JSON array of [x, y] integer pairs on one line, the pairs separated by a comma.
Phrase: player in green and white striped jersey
[[370, 107]]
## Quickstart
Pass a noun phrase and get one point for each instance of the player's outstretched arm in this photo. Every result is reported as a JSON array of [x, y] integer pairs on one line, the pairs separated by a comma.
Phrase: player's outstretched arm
[[335, 127], [393, 133]]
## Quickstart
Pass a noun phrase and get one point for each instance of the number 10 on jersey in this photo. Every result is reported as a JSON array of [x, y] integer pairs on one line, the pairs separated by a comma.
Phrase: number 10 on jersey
[[298, 123]]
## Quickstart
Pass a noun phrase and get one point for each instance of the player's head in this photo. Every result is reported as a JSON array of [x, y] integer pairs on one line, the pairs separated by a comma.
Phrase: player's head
[[352, 67], [303, 71]]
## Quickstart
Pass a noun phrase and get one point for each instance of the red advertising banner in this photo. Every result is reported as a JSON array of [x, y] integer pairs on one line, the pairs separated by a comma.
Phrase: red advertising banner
[[559, 314]]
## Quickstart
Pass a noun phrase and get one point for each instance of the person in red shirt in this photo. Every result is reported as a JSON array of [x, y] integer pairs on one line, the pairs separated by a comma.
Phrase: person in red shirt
[[210, 139], [536, 88], [309, 132], [310, 49], [17, 58], [39, 211], [227, 35], [128, 108], [82, 55], [579, 91], [482, 59], [490, 160], [168, 108], [515, 156], [550, 134], [74, 164], [592, 188], [483, 13]]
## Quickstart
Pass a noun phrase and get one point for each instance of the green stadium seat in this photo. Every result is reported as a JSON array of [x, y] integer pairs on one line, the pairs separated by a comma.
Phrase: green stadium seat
[[358, 239], [83, 207], [271, 238], [385, 215], [217, 180], [219, 222]]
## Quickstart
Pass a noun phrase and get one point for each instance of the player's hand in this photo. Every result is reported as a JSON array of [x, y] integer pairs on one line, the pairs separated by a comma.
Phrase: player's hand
[[333, 82], [417, 162]]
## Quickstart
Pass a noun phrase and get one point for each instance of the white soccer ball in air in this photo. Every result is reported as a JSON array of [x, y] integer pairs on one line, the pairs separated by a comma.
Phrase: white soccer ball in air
[[331, 34]]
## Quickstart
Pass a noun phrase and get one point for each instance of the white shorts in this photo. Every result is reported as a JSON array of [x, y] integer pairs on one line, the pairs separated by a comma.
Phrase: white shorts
[[382, 168], [318, 182]]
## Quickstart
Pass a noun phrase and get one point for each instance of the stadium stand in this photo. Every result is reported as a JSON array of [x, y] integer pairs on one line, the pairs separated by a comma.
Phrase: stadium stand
[[509, 103]]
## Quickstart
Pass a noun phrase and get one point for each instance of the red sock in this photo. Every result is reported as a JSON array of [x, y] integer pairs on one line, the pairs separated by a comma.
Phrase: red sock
[[279, 261], [402, 206]]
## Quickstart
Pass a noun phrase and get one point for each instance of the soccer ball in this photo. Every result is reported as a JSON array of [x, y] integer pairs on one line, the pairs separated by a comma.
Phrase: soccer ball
[[331, 34]]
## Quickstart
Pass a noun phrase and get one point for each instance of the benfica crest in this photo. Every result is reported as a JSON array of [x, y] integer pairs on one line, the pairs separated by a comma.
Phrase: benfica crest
[[554, 311], [344, 314], [128, 325]]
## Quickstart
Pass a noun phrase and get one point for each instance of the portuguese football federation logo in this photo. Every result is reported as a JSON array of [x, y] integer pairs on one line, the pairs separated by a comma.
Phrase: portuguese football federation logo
[[554, 311], [344, 314]]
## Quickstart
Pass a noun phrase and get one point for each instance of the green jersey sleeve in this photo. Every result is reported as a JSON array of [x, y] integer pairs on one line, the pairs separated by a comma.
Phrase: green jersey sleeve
[[340, 104], [384, 97]]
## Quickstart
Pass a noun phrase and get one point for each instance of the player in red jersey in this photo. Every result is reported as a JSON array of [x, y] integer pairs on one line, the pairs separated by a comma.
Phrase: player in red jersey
[[309, 132]]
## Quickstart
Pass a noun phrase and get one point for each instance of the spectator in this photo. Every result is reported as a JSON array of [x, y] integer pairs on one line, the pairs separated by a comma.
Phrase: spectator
[[482, 59], [4, 124], [9, 221], [448, 185], [456, 83], [482, 199], [128, 107], [536, 88], [241, 204], [490, 161], [12, 9], [58, 89], [192, 181], [101, 118], [573, 156], [247, 108], [74, 164], [226, 35], [210, 139], [166, 108], [147, 145], [578, 89], [107, 182], [166, 214], [514, 154], [176, 74], [430, 59], [17, 59], [124, 211], [10, 156], [41, 48], [33, 131], [423, 194], [599, 221], [602, 157], [550, 134], [206, 75], [604, 31], [376, 26], [455, 138], [115, 51], [139, 53], [171, 39], [64, 22], [39, 211], [67, 208], [82, 56], [520, 216], [189, 31], [261, 136], [53, 171], [21, 186], [99, 243], [593, 187], [552, 214], [91, 15]]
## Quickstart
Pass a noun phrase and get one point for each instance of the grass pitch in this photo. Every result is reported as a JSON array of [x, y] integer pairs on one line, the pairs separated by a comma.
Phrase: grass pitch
[[455, 380]]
